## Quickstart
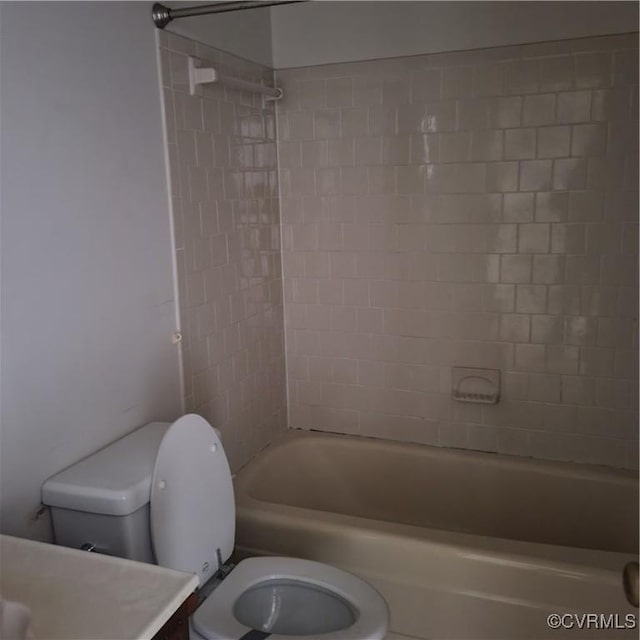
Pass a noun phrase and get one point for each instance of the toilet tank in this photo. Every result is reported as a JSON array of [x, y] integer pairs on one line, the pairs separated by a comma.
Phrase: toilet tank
[[103, 500]]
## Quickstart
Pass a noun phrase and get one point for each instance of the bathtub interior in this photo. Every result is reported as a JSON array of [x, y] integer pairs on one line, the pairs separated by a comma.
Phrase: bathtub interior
[[470, 492]]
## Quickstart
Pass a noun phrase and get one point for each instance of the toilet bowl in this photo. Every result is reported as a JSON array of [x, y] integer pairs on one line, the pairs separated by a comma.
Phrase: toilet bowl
[[291, 598], [171, 483]]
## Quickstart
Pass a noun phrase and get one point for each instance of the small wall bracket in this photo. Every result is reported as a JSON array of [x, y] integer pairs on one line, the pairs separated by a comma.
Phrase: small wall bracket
[[199, 75]]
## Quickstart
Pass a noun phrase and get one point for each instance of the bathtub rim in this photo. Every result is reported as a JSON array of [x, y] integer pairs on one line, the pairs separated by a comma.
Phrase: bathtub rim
[[396, 574]]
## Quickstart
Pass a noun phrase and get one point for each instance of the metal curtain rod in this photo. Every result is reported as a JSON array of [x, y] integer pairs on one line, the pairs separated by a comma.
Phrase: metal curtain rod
[[162, 15]]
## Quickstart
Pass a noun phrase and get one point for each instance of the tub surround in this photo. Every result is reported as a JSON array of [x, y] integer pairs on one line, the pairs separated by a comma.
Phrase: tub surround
[[468, 209], [474, 209], [405, 518], [73, 594], [224, 197]]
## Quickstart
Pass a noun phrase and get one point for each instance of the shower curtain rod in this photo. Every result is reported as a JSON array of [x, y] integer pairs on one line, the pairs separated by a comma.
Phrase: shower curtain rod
[[162, 15]]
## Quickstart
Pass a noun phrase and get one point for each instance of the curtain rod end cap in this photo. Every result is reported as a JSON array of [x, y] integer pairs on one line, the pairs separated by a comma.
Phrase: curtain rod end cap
[[161, 15]]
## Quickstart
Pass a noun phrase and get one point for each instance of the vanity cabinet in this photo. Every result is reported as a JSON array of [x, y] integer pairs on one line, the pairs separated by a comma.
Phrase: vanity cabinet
[[76, 595], [177, 627]]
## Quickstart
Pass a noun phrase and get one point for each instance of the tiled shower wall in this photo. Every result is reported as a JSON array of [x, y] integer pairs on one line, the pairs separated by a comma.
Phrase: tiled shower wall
[[477, 209], [222, 151]]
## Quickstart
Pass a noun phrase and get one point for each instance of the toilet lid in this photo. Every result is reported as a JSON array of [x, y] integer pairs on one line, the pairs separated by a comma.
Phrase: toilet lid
[[192, 503]]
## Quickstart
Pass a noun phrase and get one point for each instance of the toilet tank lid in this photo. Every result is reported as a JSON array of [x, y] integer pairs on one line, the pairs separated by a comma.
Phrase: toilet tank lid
[[114, 481]]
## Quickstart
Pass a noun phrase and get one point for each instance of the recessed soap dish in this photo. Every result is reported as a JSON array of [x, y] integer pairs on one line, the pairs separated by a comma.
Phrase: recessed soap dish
[[476, 385]]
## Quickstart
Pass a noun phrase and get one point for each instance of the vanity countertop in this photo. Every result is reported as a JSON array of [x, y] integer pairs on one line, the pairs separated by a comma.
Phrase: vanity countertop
[[74, 594]]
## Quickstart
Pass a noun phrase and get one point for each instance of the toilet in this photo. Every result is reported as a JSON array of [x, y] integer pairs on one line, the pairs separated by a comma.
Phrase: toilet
[[164, 494]]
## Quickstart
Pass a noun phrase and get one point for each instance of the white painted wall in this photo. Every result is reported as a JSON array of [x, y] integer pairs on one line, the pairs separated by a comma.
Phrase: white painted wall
[[87, 290], [244, 33], [323, 32]]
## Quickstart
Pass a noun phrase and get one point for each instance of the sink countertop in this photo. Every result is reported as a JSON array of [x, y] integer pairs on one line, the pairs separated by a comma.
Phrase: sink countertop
[[74, 594]]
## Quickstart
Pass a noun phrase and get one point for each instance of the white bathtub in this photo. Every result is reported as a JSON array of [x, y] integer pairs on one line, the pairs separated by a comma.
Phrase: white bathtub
[[461, 544]]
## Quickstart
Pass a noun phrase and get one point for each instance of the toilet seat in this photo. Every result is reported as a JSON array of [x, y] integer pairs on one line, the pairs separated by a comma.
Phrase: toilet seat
[[215, 619]]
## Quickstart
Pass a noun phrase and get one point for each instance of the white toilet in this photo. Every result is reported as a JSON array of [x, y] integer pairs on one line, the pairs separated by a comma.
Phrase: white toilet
[[164, 494]]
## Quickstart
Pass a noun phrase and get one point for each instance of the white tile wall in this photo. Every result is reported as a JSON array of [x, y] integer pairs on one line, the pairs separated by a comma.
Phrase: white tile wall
[[224, 190], [474, 209]]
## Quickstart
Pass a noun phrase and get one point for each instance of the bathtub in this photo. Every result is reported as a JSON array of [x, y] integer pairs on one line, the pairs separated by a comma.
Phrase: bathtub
[[462, 545]]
